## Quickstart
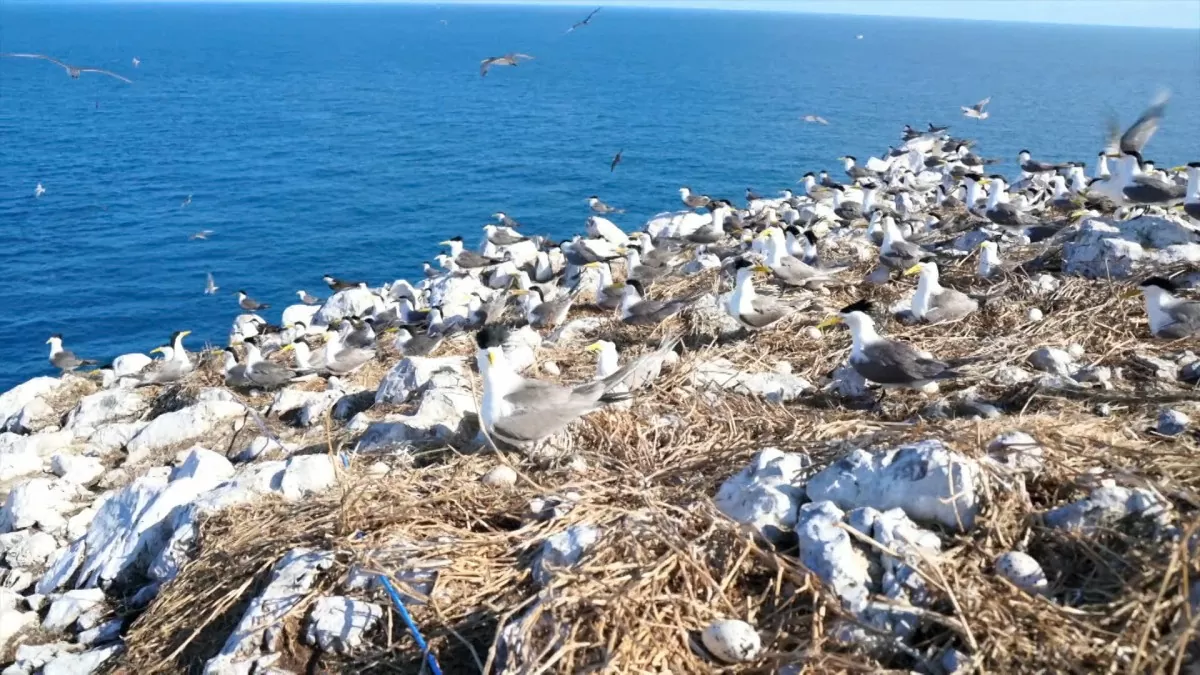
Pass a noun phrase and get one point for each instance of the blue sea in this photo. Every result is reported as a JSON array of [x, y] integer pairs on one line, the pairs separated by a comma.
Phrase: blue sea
[[350, 139]]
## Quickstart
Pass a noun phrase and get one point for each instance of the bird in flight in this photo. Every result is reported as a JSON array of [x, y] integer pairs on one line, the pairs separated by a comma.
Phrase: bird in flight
[[506, 60], [39, 190], [816, 119], [136, 62], [186, 201], [210, 286], [581, 24], [615, 161], [976, 111], [73, 71], [202, 234]]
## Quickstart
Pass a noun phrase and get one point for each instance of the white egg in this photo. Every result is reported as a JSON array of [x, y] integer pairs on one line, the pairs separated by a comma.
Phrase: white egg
[[551, 368], [732, 641], [502, 476], [1022, 570], [1035, 314]]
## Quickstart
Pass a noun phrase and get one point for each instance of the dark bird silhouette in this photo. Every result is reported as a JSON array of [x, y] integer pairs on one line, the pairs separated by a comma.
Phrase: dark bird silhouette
[[511, 59], [615, 161], [73, 71], [581, 24]]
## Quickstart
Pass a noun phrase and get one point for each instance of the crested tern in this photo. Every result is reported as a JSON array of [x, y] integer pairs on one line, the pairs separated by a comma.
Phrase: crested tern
[[201, 235], [64, 360], [692, 201], [39, 190], [585, 21], [510, 59], [616, 160], [1170, 316], [543, 313], [308, 299], [175, 365], [642, 372], [977, 111], [598, 226], [934, 303], [636, 310], [815, 119], [336, 284], [210, 285], [749, 309], [890, 363], [73, 71], [264, 374], [600, 207], [249, 304]]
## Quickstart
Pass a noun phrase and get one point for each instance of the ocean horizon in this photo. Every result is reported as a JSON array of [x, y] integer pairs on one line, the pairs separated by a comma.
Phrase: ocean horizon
[[350, 139]]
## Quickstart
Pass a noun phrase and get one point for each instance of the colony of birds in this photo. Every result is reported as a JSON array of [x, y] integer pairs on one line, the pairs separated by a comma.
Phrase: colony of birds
[[734, 494]]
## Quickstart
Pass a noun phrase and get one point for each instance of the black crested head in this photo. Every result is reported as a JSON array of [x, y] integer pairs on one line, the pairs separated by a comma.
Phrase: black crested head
[[231, 350], [243, 292], [742, 263], [1160, 282], [997, 176], [56, 335], [974, 176], [863, 306], [1194, 165], [637, 286], [792, 230], [810, 236], [809, 175], [852, 157], [839, 188], [491, 336], [175, 335], [456, 238], [1137, 155], [593, 197], [1023, 151], [252, 340]]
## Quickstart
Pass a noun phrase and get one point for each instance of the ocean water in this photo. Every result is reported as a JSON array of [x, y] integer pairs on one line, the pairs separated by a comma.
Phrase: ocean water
[[351, 139]]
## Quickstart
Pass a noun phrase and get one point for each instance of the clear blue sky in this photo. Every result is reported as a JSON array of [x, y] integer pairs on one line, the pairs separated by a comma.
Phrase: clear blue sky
[[1149, 13]]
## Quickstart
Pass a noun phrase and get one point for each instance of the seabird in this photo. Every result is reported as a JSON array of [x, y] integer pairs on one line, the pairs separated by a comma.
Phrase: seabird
[[976, 111], [989, 259], [636, 268], [308, 299], [187, 200], [600, 207], [1171, 317], [175, 364], [343, 355], [543, 313], [1032, 166], [1004, 214], [747, 307], [886, 362], [896, 253], [937, 130], [510, 59], [249, 304], [1191, 203], [517, 411], [235, 372], [934, 303], [467, 259], [637, 311], [791, 270], [210, 285], [73, 71], [39, 190], [642, 372], [1135, 138], [608, 294], [336, 284], [1147, 189], [693, 201], [581, 24], [502, 236], [416, 345], [136, 62], [202, 234], [62, 359], [505, 220], [616, 160], [264, 374], [853, 170], [816, 119]]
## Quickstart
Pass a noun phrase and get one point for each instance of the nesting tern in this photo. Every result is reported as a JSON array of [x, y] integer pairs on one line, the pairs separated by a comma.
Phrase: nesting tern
[[62, 359]]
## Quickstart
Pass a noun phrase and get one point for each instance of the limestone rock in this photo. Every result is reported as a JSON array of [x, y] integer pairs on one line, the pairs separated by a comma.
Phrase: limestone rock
[[1172, 422], [1053, 360], [182, 426], [38, 501], [337, 624], [82, 664], [564, 549], [36, 416], [410, 375], [1105, 506], [13, 623], [13, 400], [827, 550], [203, 464], [33, 551], [773, 386], [766, 495], [112, 437], [445, 403], [94, 410], [307, 474], [80, 470], [69, 606], [1017, 450], [347, 303]]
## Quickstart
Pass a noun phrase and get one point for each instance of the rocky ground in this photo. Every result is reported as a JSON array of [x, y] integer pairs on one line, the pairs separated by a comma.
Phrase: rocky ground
[[754, 512]]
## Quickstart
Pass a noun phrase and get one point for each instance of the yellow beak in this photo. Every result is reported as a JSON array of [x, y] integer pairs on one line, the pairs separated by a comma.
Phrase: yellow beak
[[184, 333], [594, 348], [520, 291], [762, 268], [1131, 293], [288, 347], [915, 269], [156, 350], [491, 357], [618, 285], [830, 321]]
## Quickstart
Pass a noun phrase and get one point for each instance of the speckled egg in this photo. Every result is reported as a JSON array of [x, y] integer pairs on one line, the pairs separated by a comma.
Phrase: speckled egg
[[732, 641], [500, 477], [1022, 570]]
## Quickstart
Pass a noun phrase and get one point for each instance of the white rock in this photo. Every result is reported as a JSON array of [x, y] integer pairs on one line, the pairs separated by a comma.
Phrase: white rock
[[9, 599], [773, 386], [16, 579], [33, 552], [181, 426], [262, 444], [17, 457], [38, 501], [828, 552], [337, 624], [69, 606], [294, 314], [62, 568], [35, 601], [13, 400], [1009, 375], [925, 479], [410, 375], [766, 495], [307, 474], [347, 303], [288, 399], [82, 664], [97, 409], [1052, 360], [847, 383], [1105, 506], [203, 464], [446, 401], [37, 415], [1017, 450], [314, 411], [1022, 570], [502, 476], [379, 469], [358, 424], [76, 469], [127, 365], [1035, 314], [1172, 422], [112, 437], [564, 549], [1075, 350], [291, 580], [574, 330], [732, 641], [13, 622], [105, 632]]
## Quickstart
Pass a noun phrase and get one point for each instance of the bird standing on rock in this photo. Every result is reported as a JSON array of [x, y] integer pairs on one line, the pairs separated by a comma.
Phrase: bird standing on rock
[[250, 304], [64, 360]]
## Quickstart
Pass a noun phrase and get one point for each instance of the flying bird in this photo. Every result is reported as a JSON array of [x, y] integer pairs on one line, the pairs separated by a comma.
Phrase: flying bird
[[186, 201], [976, 111], [817, 119], [39, 190], [73, 71], [210, 286], [511, 59], [581, 24], [202, 234], [136, 62], [615, 161]]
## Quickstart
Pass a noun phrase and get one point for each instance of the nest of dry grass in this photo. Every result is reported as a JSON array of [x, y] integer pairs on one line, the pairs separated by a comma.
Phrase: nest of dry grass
[[668, 563]]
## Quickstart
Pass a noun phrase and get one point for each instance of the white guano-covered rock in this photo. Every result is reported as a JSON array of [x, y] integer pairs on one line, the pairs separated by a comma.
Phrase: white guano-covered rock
[[307, 474], [32, 552], [774, 386], [38, 501], [732, 641], [827, 550], [294, 314], [29, 658], [70, 606], [564, 549], [445, 402], [204, 464], [1105, 506], [1022, 570], [81, 664], [13, 623], [766, 495], [97, 409], [928, 481], [181, 426], [18, 457], [1053, 360], [13, 400], [257, 633], [1104, 249], [1017, 450], [77, 469], [410, 375], [36, 416], [347, 303], [521, 348], [338, 623], [112, 437]]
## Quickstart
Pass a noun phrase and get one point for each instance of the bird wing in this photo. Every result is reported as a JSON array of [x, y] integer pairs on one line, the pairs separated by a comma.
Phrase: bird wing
[[535, 425], [653, 311], [1112, 136], [950, 305], [349, 359], [615, 161], [979, 106], [1137, 135], [538, 395], [1187, 321], [589, 16], [766, 311], [269, 374], [39, 56], [106, 72], [517, 55], [892, 362]]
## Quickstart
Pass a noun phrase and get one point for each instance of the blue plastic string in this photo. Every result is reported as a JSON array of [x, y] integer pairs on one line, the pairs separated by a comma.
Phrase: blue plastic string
[[412, 626]]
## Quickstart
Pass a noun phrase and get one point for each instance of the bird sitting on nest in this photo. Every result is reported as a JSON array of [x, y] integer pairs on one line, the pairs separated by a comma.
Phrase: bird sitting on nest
[[1171, 317]]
